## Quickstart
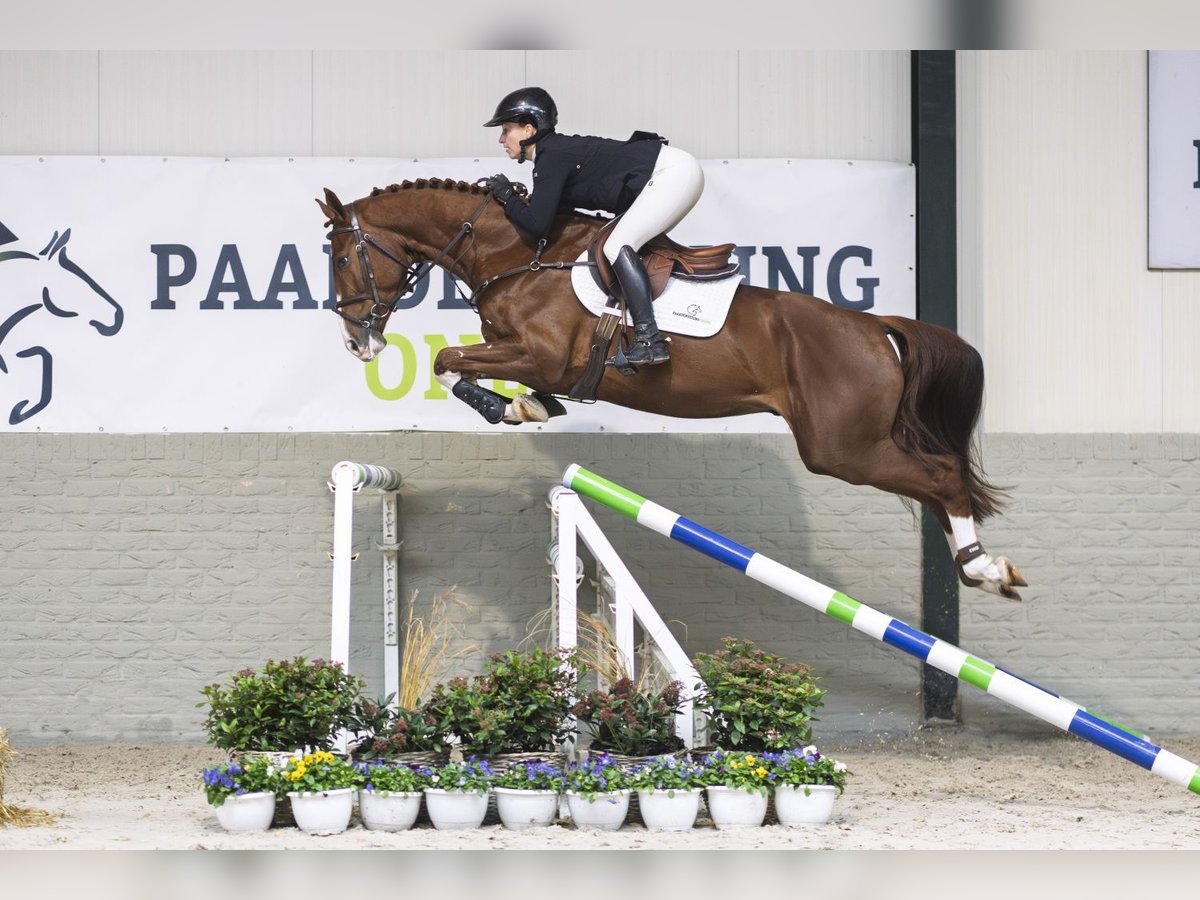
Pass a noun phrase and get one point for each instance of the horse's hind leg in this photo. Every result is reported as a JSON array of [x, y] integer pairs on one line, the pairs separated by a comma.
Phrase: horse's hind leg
[[889, 468]]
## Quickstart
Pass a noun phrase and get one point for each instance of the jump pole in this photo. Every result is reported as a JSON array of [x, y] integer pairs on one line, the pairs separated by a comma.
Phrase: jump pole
[[1015, 691]]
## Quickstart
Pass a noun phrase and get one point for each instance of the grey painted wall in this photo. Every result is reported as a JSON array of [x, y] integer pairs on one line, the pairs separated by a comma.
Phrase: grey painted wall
[[136, 569]]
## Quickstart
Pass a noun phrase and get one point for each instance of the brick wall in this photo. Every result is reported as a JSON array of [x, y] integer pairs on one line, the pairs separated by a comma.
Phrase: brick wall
[[136, 568]]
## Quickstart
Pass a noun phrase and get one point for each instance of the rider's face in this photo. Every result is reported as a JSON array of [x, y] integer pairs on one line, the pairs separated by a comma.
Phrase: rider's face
[[511, 135]]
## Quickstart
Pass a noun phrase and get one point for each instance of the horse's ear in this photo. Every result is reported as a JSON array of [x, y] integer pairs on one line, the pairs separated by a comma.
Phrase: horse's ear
[[332, 207], [6, 236]]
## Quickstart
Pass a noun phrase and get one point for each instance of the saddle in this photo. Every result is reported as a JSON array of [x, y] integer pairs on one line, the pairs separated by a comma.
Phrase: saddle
[[664, 258]]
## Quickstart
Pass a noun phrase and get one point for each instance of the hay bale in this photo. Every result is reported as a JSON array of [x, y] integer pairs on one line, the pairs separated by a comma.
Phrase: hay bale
[[16, 815]]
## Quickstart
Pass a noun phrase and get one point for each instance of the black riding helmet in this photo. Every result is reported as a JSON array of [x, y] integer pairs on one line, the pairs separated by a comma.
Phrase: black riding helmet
[[528, 104]]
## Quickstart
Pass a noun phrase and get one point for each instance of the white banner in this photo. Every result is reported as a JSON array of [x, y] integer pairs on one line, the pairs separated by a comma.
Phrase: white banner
[[191, 295], [1174, 159]]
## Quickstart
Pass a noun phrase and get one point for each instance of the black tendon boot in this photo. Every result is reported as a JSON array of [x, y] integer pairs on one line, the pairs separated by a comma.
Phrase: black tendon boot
[[649, 346], [488, 404]]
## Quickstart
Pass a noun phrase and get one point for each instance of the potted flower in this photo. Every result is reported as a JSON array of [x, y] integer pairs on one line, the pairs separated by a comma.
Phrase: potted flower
[[756, 700], [737, 786], [457, 794], [629, 721], [519, 705], [597, 792], [668, 792], [286, 705], [242, 795], [806, 783], [321, 788], [389, 795], [527, 794]]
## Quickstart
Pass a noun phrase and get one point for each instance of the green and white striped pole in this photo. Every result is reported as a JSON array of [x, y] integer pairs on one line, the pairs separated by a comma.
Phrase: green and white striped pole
[[1016, 691]]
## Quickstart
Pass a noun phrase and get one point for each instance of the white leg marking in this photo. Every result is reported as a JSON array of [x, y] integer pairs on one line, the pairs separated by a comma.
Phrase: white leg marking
[[449, 379]]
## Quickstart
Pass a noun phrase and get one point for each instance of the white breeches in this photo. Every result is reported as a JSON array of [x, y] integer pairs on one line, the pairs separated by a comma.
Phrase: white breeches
[[669, 195]]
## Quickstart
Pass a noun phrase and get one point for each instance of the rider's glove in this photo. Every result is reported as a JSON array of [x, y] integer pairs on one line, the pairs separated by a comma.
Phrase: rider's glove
[[502, 189]]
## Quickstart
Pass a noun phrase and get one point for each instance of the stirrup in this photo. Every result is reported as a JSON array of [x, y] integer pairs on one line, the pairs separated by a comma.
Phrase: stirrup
[[653, 353]]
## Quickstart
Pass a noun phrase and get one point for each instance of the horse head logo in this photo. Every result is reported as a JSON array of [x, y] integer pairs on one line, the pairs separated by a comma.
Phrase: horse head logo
[[50, 282]]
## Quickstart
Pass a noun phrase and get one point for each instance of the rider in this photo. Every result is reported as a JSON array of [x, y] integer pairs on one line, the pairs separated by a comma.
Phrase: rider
[[654, 185]]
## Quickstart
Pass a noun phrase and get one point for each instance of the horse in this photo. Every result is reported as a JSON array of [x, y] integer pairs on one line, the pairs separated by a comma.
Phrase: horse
[[66, 292], [884, 401]]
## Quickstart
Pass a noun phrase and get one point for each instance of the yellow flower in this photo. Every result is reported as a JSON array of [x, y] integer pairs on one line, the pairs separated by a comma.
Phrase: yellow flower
[[308, 760], [749, 760], [760, 772]]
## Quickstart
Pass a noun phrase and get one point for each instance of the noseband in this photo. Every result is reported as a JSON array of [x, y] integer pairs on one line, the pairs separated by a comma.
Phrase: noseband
[[414, 272]]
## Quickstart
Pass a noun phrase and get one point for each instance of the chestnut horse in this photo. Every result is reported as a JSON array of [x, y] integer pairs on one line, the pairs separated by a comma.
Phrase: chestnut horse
[[878, 400]]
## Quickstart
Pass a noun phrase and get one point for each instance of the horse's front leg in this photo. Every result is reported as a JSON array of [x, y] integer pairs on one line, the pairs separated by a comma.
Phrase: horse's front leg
[[459, 368]]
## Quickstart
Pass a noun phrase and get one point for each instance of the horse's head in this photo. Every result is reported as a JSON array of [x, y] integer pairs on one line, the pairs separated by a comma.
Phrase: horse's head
[[384, 244], [367, 283], [63, 297]]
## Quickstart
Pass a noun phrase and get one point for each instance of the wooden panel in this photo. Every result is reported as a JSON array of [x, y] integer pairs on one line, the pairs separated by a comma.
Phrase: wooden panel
[[206, 103], [1181, 360], [688, 96], [48, 102], [818, 104], [411, 103], [1070, 323]]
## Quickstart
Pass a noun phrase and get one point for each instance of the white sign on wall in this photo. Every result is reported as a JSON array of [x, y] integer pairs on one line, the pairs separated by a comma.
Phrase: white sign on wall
[[192, 295], [1174, 159]]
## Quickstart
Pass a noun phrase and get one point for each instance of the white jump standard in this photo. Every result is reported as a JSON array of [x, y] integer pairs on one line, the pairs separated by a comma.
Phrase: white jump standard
[[1018, 692]]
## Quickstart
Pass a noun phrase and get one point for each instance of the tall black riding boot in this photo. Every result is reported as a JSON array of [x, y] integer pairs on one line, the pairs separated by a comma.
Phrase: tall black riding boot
[[649, 345]]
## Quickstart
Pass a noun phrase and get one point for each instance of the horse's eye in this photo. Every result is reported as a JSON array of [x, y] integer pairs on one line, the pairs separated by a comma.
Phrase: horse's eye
[[342, 262]]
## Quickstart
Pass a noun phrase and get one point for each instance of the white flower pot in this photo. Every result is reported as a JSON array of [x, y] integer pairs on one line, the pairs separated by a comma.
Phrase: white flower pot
[[521, 809], [669, 810], [322, 812], [389, 810], [249, 812], [605, 812], [795, 809], [455, 810], [736, 807]]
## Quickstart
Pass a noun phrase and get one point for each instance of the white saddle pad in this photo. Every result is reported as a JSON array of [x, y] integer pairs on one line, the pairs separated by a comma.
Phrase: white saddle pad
[[689, 308]]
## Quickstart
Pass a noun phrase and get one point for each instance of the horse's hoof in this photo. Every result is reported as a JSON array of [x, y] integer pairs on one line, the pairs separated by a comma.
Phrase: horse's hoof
[[1008, 593], [1015, 576], [524, 408]]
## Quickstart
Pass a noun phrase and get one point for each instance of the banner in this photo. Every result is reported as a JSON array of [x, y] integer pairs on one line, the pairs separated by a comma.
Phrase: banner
[[193, 295], [1174, 159]]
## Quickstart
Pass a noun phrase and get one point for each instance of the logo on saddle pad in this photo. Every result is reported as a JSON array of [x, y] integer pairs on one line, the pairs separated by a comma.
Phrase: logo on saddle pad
[[687, 308]]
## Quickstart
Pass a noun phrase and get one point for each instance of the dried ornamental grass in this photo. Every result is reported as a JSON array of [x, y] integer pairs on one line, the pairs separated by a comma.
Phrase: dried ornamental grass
[[430, 646], [16, 815]]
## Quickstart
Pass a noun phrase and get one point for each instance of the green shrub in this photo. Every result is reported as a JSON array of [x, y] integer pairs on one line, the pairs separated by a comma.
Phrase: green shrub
[[755, 700], [520, 704], [632, 722], [284, 706]]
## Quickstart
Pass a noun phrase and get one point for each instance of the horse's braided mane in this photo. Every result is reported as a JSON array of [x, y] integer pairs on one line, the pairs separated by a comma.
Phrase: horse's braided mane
[[437, 184]]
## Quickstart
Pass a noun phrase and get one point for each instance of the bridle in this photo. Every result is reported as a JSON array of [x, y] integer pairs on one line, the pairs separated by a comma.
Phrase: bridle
[[417, 271], [414, 272]]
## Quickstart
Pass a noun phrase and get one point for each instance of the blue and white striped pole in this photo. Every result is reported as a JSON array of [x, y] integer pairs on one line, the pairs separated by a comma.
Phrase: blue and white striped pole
[[1018, 692]]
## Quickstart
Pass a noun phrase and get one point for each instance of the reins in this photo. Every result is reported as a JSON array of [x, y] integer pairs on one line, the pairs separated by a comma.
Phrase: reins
[[417, 271], [534, 265]]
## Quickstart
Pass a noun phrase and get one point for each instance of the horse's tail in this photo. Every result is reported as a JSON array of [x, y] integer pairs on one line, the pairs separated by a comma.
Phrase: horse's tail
[[940, 405]]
